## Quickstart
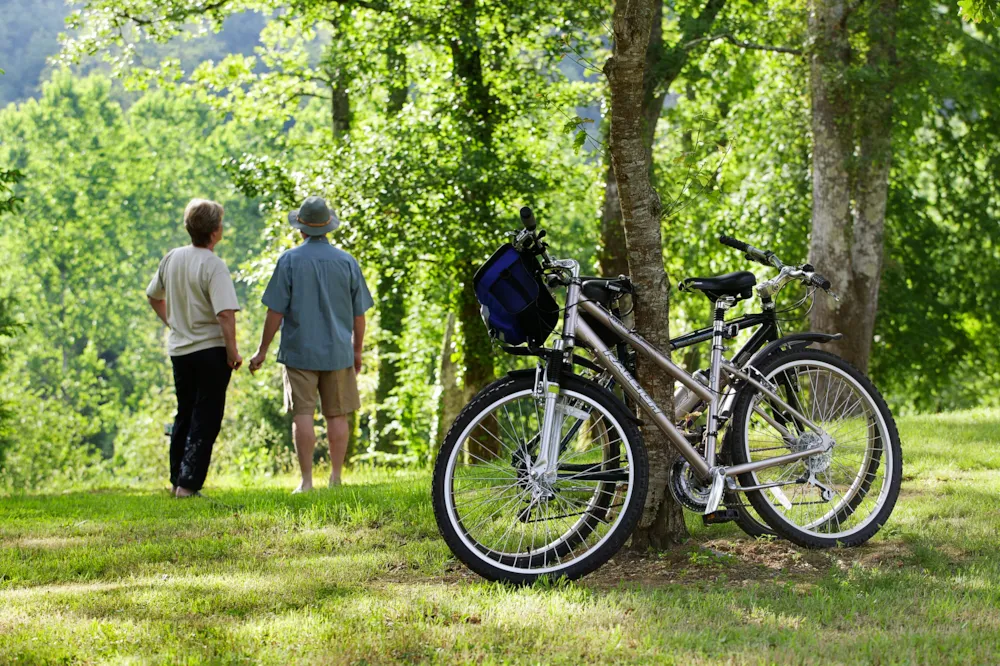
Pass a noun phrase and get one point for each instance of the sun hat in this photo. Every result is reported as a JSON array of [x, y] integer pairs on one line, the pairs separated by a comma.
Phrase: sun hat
[[314, 217]]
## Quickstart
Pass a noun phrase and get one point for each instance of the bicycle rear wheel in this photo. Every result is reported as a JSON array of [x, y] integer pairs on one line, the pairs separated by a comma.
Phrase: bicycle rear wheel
[[506, 525], [843, 496]]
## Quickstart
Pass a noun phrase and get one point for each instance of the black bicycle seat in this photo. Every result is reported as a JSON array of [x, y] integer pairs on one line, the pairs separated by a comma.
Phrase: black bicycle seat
[[605, 290], [738, 285]]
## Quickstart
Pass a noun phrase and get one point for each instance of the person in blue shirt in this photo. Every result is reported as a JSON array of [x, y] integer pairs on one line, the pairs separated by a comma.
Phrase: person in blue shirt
[[318, 297]]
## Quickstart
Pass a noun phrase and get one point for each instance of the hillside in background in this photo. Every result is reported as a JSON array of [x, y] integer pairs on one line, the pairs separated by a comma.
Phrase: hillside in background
[[29, 35]]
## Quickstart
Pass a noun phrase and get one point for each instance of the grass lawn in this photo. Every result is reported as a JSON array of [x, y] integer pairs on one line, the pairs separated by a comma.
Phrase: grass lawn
[[359, 575]]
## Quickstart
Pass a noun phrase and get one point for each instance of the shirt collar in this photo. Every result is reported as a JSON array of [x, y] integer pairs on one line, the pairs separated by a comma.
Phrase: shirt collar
[[318, 239]]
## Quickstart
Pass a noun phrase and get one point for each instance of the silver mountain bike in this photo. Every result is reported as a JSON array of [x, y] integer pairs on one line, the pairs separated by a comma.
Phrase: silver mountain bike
[[544, 472]]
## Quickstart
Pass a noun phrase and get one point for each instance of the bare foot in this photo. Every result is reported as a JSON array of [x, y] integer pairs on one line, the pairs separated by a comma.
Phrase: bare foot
[[303, 488], [334, 481], [184, 492]]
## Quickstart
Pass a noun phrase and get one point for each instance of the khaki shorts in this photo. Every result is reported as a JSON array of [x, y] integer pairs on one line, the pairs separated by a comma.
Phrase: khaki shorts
[[338, 389]]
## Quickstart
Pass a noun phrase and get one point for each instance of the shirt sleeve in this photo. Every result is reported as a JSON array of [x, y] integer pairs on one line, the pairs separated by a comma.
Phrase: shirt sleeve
[[221, 291], [157, 289], [278, 294], [360, 295]]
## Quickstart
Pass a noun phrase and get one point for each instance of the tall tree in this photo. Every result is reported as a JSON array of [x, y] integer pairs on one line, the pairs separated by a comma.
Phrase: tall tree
[[461, 145], [632, 22], [664, 63], [852, 110]]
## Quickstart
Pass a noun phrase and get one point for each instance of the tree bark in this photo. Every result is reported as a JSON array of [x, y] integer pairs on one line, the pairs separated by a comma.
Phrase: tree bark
[[662, 521], [451, 399], [852, 154], [398, 84], [477, 352], [611, 259], [391, 311], [390, 290], [663, 66], [478, 100]]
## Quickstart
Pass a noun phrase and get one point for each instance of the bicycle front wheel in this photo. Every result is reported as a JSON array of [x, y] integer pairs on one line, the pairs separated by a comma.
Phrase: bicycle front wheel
[[842, 496], [504, 523]]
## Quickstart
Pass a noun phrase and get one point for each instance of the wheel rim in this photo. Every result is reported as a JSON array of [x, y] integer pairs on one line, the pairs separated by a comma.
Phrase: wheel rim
[[494, 508], [857, 471]]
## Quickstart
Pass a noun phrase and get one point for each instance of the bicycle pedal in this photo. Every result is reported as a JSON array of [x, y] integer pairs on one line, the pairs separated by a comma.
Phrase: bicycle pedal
[[719, 517]]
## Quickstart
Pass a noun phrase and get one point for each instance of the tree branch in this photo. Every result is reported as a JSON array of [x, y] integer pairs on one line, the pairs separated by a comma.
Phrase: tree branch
[[218, 4], [176, 16], [745, 45]]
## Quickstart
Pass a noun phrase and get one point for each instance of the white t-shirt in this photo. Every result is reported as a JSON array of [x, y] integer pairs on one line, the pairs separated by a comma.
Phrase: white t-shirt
[[197, 286]]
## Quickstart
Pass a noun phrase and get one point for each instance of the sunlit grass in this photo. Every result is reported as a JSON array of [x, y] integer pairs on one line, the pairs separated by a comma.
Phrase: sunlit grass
[[358, 574]]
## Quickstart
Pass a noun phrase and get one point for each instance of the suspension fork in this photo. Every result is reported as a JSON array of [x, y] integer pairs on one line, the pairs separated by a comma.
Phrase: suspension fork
[[546, 465]]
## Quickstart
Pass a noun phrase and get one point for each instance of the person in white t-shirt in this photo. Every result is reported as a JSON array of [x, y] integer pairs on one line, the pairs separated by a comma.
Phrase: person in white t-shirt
[[193, 294]]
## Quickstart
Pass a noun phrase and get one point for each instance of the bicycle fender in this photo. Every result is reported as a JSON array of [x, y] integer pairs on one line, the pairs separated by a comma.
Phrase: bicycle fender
[[793, 341]]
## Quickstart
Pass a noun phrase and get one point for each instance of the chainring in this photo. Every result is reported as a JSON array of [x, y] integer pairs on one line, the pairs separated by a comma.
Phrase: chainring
[[686, 488]]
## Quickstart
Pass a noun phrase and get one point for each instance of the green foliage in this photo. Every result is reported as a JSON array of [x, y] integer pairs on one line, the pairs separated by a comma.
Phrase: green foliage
[[105, 186], [979, 10], [749, 112], [9, 324], [427, 125], [29, 35]]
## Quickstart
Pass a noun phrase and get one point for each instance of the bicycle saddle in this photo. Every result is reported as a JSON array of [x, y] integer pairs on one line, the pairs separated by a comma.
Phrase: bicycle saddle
[[605, 290], [739, 285]]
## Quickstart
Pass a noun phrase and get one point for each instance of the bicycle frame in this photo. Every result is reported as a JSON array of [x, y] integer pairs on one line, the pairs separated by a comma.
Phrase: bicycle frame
[[705, 468]]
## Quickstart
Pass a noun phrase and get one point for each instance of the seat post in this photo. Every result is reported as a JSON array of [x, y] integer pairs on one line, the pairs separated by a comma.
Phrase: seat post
[[721, 306]]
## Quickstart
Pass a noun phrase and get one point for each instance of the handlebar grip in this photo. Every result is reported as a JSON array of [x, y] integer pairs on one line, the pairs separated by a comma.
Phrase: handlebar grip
[[733, 243], [820, 282], [528, 219]]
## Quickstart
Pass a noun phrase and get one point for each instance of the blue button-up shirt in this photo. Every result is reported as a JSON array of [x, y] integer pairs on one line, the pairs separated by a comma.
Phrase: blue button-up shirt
[[320, 290]]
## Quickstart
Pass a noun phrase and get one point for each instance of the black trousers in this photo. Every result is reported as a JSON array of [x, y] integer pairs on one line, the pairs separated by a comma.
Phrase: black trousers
[[201, 380]]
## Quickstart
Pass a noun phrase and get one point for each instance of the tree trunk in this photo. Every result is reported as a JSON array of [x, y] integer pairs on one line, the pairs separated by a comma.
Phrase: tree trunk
[[852, 153], [477, 351], [611, 258], [467, 67], [662, 521], [451, 398], [341, 114], [398, 84], [391, 311]]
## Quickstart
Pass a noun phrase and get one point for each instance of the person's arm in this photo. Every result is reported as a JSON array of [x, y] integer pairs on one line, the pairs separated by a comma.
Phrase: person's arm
[[159, 306], [359, 341], [271, 325], [227, 319]]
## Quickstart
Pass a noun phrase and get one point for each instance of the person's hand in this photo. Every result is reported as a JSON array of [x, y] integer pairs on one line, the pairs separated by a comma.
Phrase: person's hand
[[257, 360], [233, 359], [357, 362]]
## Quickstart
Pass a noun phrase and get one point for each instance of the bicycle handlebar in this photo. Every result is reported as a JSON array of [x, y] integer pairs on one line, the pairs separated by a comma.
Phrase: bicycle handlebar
[[752, 253], [528, 219], [733, 243], [820, 281], [804, 273]]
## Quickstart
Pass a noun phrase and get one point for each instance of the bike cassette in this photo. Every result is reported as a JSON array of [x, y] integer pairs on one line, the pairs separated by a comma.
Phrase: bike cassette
[[817, 463], [686, 488]]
